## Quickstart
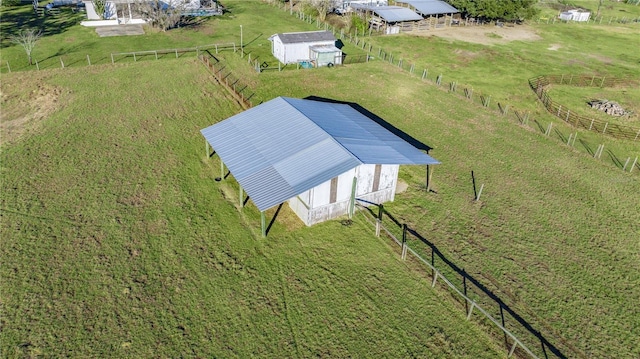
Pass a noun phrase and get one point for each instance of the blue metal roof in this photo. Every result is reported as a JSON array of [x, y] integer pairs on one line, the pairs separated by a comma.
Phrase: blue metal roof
[[306, 36], [430, 7], [286, 146], [391, 13]]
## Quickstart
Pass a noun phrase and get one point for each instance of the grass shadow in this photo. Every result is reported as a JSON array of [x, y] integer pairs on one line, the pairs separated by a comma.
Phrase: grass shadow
[[616, 161], [273, 220], [586, 146], [21, 17], [540, 127], [560, 135]]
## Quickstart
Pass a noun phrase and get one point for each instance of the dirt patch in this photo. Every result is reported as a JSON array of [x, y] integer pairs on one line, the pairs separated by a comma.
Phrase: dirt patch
[[486, 35], [120, 30], [401, 186], [22, 111]]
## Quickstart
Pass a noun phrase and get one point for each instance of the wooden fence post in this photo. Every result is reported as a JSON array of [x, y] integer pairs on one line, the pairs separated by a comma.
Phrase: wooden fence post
[[633, 165], [404, 241], [88, 60], [9, 67], [624, 168], [61, 62]]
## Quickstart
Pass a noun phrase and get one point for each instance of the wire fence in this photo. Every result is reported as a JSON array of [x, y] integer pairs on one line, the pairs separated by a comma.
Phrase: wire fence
[[541, 84], [596, 20], [522, 117], [238, 90], [520, 337], [157, 54], [79, 60]]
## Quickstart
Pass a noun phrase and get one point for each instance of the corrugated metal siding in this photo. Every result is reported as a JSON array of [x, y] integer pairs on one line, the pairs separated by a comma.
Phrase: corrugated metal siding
[[275, 152], [287, 146], [431, 7], [307, 36], [364, 138], [391, 13]]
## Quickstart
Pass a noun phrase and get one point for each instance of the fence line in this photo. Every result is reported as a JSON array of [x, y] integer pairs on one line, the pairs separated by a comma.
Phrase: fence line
[[596, 20], [357, 38], [196, 49], [225, 78], [540, 84], [516, 346]]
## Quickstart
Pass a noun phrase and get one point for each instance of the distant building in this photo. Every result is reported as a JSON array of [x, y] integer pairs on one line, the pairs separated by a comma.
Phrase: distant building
[[316, 47], [575, 15]]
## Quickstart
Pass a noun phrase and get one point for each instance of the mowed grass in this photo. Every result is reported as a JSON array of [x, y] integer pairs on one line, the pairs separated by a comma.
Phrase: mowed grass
[[117, 242], [555, 233]]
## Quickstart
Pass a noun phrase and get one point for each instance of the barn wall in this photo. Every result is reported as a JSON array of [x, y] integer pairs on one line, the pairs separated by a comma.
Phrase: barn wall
[[292, 53], [277, 49], [313, 205]]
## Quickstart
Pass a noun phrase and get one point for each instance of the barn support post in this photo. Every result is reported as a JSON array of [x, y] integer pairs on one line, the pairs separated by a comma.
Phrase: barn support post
[[240, 196], [428, 179], [221, 169], [263, 224], [379, 220], [352, 202], [206, 147]]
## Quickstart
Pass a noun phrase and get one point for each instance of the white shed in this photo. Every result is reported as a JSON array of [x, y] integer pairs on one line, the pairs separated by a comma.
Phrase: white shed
[[575, 15], [317, 47], [319, 157]]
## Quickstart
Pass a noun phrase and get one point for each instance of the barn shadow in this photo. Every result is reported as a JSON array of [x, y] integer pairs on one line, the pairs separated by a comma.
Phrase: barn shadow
[[377, 119]]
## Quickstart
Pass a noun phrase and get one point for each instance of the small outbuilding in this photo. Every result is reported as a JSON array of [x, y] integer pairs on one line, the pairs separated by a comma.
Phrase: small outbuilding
[[575, 15], [315, 47], [388, 18], [320, 157]]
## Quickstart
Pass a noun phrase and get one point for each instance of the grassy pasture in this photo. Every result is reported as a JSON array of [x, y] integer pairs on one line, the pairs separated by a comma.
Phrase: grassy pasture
[[555, 234], [118, 243]]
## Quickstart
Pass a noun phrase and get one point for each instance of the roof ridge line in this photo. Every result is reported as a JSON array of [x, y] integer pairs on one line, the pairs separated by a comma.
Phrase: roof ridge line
[[322, 129]]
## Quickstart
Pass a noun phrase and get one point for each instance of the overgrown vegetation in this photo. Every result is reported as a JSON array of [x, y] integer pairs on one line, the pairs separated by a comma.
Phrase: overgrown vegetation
[[497, 10]]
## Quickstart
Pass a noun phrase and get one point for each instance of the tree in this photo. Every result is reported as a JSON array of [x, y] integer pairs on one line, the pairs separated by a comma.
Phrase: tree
[[159, 14], [496, 9], [27, 38], [100, 7], [323, 7]]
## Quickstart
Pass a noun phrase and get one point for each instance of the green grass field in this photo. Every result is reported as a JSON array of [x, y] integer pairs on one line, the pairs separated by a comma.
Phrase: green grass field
[[116, 241]]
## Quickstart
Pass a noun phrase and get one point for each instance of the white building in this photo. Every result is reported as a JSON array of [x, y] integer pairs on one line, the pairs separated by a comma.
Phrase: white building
[[317, 47], [319, 157], [575, 15]]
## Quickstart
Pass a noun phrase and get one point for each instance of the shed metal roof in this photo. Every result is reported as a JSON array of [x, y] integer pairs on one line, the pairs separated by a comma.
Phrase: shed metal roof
[[391, 13], [431, 7], [286, 146], [307, 36]]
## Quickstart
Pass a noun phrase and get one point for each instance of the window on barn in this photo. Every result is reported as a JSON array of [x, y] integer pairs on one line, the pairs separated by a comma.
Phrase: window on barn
[[376, 178], [333, 192]]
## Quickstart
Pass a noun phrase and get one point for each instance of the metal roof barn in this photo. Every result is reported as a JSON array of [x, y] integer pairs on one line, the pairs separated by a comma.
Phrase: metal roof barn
[[430, 7], [308, 36], [390, 13], [284, 147]]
